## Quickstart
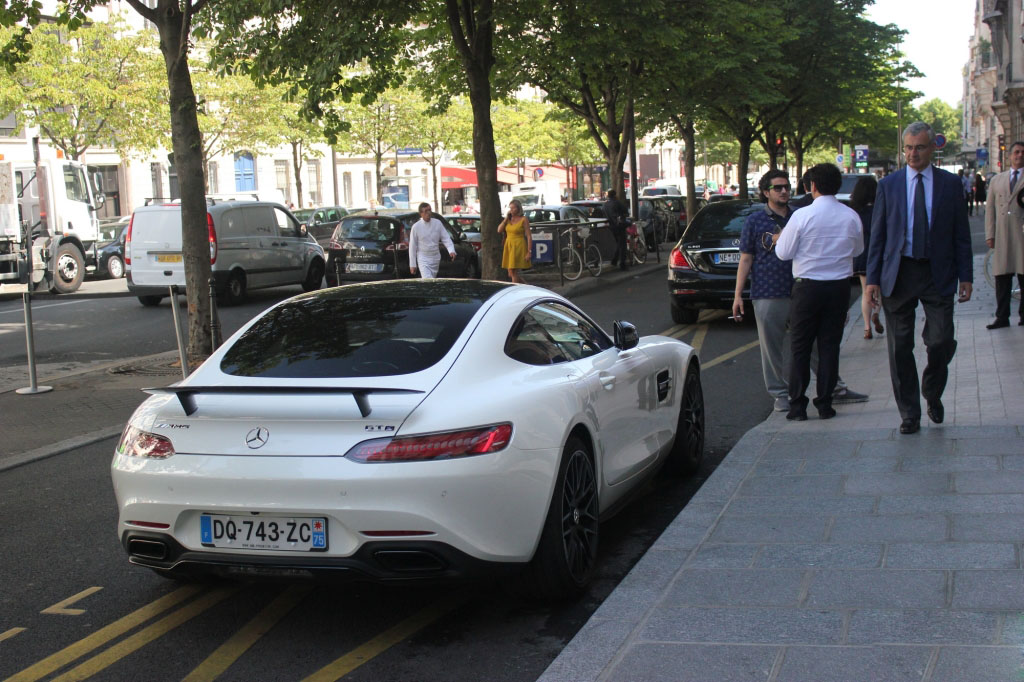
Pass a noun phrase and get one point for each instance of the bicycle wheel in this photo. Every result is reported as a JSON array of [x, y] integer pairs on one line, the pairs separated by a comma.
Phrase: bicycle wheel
[[990, 278], [593, 257], [638, 245], [572, 266]]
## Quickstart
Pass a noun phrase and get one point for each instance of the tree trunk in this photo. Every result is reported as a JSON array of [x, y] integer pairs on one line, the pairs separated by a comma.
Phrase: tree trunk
[[433, 174], [744, 163], [188, 157], [687, 130], [486, 173], [297, 166]]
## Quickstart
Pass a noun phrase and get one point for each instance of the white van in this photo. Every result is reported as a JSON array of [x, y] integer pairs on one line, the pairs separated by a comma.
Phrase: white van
[[253, 245]]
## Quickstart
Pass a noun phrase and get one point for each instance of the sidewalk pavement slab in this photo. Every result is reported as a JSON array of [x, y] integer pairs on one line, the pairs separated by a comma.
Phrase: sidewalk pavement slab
[[841, 549]]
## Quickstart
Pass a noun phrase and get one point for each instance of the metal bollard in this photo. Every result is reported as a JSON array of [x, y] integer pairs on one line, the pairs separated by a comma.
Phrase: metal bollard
[[32, 387], [215, 338], [337, 273], [182, 355]]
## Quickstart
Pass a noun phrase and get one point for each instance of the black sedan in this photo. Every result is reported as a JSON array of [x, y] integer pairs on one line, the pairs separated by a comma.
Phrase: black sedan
[[320, 222], [110, 254], [372, 246], [702, 265]]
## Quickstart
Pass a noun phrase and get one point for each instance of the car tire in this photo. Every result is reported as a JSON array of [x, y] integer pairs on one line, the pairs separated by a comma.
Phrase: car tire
[[681, 315], [150, 301], [562, 566], [315, 277], [472, 272], [234, 289], [70, 269], [688, 448], [115, 268]]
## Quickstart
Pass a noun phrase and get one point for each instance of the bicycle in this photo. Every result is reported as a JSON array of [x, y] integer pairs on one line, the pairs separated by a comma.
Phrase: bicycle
[[636, 243], [990, 278], [571, 261]]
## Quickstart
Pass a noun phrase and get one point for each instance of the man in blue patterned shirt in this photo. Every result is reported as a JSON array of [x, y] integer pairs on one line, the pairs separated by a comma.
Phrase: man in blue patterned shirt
[[770, 288]]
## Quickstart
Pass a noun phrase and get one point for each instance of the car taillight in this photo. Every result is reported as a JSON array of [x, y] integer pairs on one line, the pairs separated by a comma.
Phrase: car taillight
[[128, 241], [678, 260], [448, 445], [682, 217], [213, 238], [401, 242], [138, 443], [476, 245]]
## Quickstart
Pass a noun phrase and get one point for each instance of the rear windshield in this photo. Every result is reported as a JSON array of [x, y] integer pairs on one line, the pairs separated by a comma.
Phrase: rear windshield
[[724, 223], [366, 330], [369, 227], [468, 224], [849, 182]]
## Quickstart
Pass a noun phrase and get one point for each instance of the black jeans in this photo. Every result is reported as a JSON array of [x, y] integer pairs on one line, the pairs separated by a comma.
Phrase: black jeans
[[622, 256], [1004, 289], [914, 283], [817, 314]]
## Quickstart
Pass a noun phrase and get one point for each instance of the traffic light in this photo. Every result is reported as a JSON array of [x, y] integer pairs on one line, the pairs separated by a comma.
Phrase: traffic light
[[778, 141], [1002, 143]]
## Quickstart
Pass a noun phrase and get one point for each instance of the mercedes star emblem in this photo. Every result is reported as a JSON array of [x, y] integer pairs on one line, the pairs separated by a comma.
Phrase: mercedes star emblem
[[257, 438]]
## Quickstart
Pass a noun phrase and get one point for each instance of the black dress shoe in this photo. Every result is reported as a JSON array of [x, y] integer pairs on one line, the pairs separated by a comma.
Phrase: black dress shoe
[[826, 412], [795, 415], [910, 425], [998, 324], [936, 412]]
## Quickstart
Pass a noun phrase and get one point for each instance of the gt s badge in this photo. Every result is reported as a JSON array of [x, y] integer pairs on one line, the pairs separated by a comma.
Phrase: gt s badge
[[378, 427], [165, 425]]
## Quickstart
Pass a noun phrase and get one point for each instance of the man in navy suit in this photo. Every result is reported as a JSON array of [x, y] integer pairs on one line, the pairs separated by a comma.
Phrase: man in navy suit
[[919, 250]]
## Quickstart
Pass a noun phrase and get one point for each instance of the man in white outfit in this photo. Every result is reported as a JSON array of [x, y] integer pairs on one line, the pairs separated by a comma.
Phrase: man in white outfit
[[428, 233]]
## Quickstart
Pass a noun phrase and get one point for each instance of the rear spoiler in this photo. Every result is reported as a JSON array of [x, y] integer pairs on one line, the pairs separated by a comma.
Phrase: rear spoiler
[[187, 394]]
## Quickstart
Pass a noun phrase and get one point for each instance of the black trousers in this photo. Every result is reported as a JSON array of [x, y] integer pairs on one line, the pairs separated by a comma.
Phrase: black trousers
[[914, 283], [817, 314], [622, 256], [1004, 287]]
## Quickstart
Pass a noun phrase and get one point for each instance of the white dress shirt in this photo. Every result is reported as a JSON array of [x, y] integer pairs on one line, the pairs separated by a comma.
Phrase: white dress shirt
[[424, 240], [908, 246], [821, 240]]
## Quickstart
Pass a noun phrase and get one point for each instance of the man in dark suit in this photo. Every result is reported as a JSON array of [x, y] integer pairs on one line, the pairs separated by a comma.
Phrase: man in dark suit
[[920, 248]]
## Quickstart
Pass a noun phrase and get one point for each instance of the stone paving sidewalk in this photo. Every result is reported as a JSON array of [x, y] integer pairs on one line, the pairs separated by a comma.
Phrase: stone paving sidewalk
[[841, 549]]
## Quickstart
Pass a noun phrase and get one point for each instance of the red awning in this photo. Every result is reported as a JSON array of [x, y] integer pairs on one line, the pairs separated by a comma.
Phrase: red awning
[[453, 177]]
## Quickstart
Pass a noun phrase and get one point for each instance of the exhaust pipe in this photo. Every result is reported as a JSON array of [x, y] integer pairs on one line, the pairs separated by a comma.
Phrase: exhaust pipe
[[148, 549]]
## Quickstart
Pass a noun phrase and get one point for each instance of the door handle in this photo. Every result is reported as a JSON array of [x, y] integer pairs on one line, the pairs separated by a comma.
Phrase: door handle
[[608, 381]]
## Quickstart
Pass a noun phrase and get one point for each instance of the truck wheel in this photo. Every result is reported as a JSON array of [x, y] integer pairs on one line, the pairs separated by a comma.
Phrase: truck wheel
[[150, 301], [234, 289], [70, 269]]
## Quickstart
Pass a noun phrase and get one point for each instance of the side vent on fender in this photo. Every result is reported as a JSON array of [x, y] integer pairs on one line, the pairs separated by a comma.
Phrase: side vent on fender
[[664, 385]]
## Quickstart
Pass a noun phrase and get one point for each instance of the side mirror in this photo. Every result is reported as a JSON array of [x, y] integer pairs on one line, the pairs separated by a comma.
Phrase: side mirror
[[302, 230], [626, 336], [462, 236], [100, 199]]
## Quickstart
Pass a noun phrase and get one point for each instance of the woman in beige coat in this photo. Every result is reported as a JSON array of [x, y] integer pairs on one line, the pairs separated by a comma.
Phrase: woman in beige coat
[[1004, 218]]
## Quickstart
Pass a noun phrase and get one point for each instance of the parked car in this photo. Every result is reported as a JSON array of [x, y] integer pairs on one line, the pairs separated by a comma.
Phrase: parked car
[[702, 264], [323, 438], [592, 207], [469, 225], [652, 221], [679, 219], [109, 255], [846, 189], [320, 222], [253, 245], [374, 245], [715, 198]]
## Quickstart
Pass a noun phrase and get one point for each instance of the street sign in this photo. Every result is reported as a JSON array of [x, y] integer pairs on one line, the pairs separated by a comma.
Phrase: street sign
[[940, 141], [538, 173], [981, 154], [839, 159], [860, 153], [409, 151]]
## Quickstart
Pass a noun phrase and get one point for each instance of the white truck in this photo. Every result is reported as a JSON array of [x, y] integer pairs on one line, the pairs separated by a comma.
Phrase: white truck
[[54, 203], [538, 193]]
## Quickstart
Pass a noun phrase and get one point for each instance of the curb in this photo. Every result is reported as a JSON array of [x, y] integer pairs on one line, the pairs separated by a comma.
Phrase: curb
[[59, 448]]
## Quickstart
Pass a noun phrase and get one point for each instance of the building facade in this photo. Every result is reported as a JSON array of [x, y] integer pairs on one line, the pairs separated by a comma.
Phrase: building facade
[[1003, 19], [981, 127]]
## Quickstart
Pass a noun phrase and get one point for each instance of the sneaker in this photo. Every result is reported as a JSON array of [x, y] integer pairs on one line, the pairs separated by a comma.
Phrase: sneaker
[[782, 404], [844, 396]]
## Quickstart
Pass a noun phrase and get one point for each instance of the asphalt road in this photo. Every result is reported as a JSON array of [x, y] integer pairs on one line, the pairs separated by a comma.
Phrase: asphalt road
[[86, 613]]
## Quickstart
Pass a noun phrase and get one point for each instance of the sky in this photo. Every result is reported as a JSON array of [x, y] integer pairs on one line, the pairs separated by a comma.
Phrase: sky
[[936, 41]]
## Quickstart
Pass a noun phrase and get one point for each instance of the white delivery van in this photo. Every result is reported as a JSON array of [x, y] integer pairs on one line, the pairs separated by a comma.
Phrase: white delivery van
[[253, 245]]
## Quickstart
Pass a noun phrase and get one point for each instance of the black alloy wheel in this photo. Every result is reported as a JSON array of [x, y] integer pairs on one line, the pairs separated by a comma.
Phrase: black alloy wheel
[[579, 516], [688, 449]]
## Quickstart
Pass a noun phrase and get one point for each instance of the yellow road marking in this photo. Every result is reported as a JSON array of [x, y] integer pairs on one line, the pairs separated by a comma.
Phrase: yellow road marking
[[61, 606], [231, 650], [143, 637], [681, 331], [731, 354], [698, 339], [103, 635], [385, 640], [10, 633]]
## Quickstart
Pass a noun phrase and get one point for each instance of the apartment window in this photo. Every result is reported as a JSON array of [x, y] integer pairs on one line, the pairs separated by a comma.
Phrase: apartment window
[[156, 173], [314, 188], [283, 179], [367, 187], [346, 185], [212, 182]]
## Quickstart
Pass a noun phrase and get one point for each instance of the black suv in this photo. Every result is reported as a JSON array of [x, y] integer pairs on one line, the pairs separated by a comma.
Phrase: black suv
[[702, 265], [374, 245]]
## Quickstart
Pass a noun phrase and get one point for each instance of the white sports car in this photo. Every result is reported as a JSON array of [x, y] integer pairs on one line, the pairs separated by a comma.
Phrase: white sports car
[[406, 430]]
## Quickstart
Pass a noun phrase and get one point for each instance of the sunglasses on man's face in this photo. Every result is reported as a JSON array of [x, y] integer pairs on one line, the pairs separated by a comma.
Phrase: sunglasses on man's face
[[782, 188]]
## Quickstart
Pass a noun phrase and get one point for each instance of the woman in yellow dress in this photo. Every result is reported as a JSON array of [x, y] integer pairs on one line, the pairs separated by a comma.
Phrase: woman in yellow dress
[[518, 242]]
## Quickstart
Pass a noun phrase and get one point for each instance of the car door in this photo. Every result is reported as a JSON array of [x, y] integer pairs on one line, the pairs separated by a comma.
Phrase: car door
[[289, 249], [449, 267], [258, 256], [618, 385]]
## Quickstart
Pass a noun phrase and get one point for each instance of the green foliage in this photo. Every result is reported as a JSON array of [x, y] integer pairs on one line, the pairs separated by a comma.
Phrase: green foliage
[[944, 119], [94, 86]]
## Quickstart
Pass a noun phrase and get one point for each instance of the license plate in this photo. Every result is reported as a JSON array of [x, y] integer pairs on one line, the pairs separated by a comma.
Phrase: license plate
[[263, 532], [364, 267], [727, 258], [168, 258]]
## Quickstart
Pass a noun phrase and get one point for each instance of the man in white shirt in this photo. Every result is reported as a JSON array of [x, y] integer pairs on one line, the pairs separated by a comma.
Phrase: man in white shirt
[[427, 235], [821, 240]]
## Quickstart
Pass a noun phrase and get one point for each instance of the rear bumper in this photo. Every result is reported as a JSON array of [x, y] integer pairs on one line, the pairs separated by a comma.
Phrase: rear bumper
[[220, 281], [689, 289]]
